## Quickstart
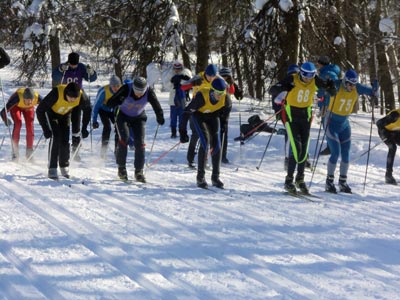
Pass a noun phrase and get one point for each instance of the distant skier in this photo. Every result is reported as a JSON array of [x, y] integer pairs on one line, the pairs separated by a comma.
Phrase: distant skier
[[389, 132], [206, 109], [337, 126], [106, 113], [54, 114], [297, 117], [21, 103], [74, 71]]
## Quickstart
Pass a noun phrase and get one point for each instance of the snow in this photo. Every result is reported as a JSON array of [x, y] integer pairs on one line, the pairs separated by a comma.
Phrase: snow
[[94, 237]]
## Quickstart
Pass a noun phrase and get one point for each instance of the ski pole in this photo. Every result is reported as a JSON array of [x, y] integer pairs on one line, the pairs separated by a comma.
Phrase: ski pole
[[163, 155], [35, 148], [2, 141], [266, 147], [152, 144], [369, 147], [367, 151], [6, 117]]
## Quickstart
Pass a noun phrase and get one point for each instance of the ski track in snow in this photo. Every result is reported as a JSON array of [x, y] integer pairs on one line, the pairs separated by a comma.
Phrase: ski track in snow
[[95, 237]]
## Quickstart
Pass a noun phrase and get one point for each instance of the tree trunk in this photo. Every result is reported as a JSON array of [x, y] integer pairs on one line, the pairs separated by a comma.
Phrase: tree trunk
[[203, 46], [55, 56]]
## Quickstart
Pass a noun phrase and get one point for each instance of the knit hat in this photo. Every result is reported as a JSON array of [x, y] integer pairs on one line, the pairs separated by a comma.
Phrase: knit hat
[[323, 60], [211, 70], [177, 65], [73, 58], [139, 85], [224, 71], [28, 94], [218, 84], [115, 81], [72, 90]]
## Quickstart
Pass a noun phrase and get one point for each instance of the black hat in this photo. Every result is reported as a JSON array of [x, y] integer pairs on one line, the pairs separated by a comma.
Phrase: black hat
[[323, 60], [73, 58], [28, 94], [73, 90], [139, 85]]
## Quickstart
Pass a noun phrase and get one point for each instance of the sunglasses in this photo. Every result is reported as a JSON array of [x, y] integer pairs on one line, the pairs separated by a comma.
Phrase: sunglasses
[[350, 83], [219, 93]]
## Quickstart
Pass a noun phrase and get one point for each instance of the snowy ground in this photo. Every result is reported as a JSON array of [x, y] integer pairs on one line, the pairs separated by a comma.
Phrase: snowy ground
[[97, 238]]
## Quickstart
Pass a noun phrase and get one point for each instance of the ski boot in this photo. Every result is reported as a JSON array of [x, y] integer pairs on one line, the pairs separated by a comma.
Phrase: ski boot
[[329, 185], [289, 186], [301, 185], [202, 183], [52, 173], [139, 176], [173, 133], [343, 186], [225, 160], [326, 151], [217, 182], [122, 174], [389, 179], [65, 172]]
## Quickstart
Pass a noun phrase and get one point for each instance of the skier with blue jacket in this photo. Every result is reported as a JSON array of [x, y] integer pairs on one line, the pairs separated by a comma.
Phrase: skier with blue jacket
[[337, 126]]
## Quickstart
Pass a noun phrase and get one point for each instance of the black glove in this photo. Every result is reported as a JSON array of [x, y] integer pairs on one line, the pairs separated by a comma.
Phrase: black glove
[[8, 122], [197, 81], [47, 134], [85, 133], [64, 67], [330, 87], [229, 80], [95, 125], [183, 136], [160, 120]]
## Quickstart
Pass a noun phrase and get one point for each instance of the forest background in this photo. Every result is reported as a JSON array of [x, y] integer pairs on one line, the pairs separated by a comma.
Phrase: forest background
[[257, 39]]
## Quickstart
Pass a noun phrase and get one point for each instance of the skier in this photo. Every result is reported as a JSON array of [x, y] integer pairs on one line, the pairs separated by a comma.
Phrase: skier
[[327, 70], [206, 109], [74, 71], [232, 89], [22, 102], [197, 82], [106, 113], [177, 97], [338, 130], [54, 114], [131, 100], [389, 132], [4, 58], [297, 117]]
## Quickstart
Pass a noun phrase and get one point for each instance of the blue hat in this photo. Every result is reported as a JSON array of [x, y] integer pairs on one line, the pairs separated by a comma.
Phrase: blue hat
[[308, 70], [225, 71], [218, 84], [351, 77], [115, 81], [211, 70]]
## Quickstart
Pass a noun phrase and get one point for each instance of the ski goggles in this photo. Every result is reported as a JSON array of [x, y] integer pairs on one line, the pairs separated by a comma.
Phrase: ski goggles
[[307, 74]]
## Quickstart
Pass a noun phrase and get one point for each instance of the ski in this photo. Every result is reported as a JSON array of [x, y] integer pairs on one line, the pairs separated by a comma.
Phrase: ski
[[307, 197]]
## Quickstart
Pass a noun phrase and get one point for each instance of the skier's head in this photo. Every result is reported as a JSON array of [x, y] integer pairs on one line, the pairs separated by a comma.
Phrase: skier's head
[[225, 72], [73, 58], [28, 96], [211, 72], [72, 91], [293, 69], [323, 60], [115, 83], [307, 72], [139, 86], [218, 88], [177, 66], [350, 80]]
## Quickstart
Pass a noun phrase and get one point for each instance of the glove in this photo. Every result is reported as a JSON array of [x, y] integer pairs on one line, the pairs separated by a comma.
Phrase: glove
[[64, 67], [89, 70], [8, 122], [183, 136], [281, 131], [160, 120], [95, 125], [229, 80], [197, 81], [330, 87], [47, 134], [85, 133]]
